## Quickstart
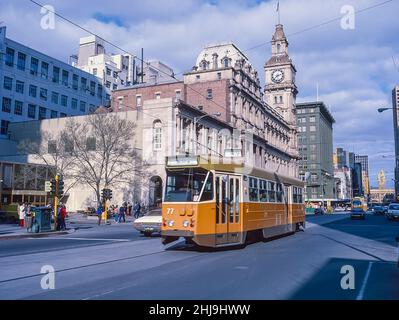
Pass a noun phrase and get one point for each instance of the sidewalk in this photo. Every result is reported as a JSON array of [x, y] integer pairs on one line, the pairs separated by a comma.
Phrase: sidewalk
[[13, 231]]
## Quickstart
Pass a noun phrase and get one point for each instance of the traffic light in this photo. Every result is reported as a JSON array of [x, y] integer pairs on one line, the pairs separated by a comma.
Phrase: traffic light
[[106, 194], [109, 194], [60, 188], [53, 187]]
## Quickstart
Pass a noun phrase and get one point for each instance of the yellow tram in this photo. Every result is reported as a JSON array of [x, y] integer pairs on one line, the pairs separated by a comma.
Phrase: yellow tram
[[215, 205]]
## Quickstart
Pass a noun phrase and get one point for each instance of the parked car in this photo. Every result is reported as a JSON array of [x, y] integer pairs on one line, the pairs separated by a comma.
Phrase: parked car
[[393, 211], [318, 211], [358, 213], [339, 209], [150, 223], [379, 210]]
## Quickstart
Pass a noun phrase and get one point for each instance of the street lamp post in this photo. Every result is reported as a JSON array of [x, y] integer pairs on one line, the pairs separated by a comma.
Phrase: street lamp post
[[196, 120], [1, 193]]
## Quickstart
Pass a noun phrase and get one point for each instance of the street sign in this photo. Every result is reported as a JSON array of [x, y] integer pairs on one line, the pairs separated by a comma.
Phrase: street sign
[[47, 186]]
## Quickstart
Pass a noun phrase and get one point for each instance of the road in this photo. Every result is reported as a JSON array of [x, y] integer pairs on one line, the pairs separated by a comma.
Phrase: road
[[116, 262]]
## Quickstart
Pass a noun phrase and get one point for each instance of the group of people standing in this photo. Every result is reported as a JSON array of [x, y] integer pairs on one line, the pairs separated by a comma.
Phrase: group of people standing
[[120, 212]]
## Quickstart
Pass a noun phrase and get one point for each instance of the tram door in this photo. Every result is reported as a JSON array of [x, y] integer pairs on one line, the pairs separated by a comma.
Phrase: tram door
[[227, 208]]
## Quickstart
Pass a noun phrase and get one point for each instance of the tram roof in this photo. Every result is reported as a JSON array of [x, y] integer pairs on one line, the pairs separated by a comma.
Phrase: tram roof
[[230, 165]]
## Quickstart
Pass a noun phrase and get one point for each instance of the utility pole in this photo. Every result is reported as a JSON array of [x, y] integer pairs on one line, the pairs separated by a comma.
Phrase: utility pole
[[56, 201]]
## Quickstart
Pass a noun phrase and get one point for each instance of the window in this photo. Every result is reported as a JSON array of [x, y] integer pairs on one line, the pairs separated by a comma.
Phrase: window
[[44, 70], [32, 91], [275, 99], [271, 191], [100, 91], [64, 101], [209, 94], [54, 97], [263, 190], [54, 114], [74, 104], [10, 57], [303, 129], [21, 64], [311, 110], [281, 99], [18, 107], [52, 147], [63, 115], [19, 87], [75, 82], [178, 94], [6, 106], [253, 190], [219, 76], [108, 84], [65, 77], [108, 71], [43, 94], [34, 66], [4, 127], [204, 65], [91, 144], [83, 84], [197, 77], [157, 136], [42, 113], [226, 62], [279, 193], [82, 106], [138, 101], [114, 87], [115, 74], [32, 111], [312, 119], [157, 96], [7, 85], [92, 88], [56, 75], [297, 194], [312, 128], [95, 71]]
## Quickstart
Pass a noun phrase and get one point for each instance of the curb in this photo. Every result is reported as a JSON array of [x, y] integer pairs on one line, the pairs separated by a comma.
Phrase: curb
[[36, 235]]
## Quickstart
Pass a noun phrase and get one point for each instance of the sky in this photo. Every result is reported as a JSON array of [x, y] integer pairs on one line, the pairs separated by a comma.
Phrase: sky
[[354, 68]]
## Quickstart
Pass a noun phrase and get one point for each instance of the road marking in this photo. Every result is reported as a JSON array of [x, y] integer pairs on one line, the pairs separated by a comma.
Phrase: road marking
[[364, 284], [85, 239]]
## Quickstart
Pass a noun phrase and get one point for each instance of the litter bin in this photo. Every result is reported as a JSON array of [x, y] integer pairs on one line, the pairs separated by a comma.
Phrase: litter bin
[[42, 220]]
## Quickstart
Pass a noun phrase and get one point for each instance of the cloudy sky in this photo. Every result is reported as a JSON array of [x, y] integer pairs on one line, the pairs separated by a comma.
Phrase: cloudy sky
[[354, 68]]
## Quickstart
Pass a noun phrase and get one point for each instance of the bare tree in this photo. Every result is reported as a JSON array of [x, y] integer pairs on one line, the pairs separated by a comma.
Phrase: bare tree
[[50, 150], [102, 149]]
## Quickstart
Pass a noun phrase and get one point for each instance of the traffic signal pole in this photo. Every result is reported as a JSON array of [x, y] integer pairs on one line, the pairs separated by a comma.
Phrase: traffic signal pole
[[56, 202]]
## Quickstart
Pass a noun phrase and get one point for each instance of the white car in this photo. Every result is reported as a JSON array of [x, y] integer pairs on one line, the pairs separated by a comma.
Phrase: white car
[[393, 211], [150, 223]]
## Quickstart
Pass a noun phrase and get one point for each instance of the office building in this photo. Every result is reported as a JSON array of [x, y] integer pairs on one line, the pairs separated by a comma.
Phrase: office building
[[34, 86], [315, 141]]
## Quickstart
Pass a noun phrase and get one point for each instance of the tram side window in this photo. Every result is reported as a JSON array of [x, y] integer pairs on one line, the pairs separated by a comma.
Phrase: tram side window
[[271, 191], [253, 190], [297, 195], [300, 195], [279, 192], [207, 195], [263, 190]]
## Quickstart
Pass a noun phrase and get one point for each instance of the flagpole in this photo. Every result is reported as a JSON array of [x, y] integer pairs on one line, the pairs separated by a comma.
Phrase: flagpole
[[278, 11]]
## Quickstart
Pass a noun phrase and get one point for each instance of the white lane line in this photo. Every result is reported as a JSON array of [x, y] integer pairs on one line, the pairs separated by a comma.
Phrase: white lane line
[[364, 284], [85, 239]]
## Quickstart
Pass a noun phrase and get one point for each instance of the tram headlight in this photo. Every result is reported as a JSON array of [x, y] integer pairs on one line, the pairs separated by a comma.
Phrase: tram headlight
[[171, 223], [186, 224]]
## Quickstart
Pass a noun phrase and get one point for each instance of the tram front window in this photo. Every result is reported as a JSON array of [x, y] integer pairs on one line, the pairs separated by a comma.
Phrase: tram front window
[[186, 186]]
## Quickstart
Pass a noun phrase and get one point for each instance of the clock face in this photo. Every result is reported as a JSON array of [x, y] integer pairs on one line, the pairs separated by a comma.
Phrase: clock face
[[277, 76]]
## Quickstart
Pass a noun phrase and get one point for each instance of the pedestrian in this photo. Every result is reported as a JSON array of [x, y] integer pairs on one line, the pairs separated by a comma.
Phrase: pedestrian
[[137, 209], [122, 214], [129, 209], [63, 214], [21, 212], [99, 214], [116, 213], [59, 216]]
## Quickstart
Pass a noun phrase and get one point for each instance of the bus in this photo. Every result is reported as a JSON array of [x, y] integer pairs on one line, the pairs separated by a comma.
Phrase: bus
[[215, 205], [359, 202]]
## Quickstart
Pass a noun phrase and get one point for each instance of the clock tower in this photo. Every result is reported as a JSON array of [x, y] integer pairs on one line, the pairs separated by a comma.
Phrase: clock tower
[[280, 89]]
